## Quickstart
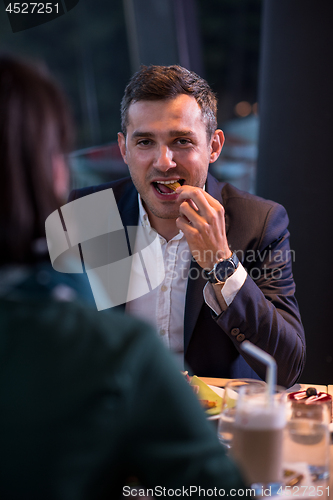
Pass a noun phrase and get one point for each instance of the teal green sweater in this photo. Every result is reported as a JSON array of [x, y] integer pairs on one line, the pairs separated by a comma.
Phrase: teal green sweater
[[89, 399]]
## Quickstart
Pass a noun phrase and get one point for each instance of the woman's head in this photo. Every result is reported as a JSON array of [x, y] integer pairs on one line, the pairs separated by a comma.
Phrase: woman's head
[[35, 133]]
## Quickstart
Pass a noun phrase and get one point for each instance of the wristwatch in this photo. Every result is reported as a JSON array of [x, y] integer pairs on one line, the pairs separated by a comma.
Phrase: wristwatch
[[222, 270]]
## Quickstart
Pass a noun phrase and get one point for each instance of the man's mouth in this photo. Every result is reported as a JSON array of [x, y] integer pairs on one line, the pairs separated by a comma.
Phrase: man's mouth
[[162, 187]]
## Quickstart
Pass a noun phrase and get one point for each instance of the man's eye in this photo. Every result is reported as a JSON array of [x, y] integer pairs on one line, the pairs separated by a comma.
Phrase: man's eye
[[183, 142], [144, 142]]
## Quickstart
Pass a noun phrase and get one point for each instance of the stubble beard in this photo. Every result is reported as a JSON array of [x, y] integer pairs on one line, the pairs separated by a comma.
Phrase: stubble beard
[[165, 214], [171, 208], [169, 211]]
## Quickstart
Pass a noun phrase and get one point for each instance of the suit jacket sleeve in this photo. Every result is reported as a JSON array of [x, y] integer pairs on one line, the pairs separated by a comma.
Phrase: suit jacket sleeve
[[265, 309]]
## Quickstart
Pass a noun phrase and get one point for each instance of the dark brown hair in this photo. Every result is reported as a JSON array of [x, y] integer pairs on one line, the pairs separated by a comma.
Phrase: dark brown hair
[[34, 126], [153, 83]]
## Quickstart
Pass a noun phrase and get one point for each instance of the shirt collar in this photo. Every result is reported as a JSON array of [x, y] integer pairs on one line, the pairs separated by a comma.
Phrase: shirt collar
[[143, 216]]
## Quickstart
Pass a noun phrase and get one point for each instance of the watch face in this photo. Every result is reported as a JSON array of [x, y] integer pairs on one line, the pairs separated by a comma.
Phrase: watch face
[[224, 269]]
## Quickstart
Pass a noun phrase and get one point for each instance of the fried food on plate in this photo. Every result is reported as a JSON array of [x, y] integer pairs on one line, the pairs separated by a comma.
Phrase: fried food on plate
[[207, 405], [208, 398]]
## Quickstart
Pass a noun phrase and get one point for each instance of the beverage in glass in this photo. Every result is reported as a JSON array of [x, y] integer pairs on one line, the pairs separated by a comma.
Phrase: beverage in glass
[[230, 398], [306, 443], [258, 437]]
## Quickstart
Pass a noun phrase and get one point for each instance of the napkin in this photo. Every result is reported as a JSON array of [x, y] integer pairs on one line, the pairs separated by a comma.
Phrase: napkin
[[205, 392]]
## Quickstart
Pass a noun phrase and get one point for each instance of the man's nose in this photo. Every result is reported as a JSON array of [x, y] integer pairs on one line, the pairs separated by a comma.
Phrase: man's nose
[[164, 158]]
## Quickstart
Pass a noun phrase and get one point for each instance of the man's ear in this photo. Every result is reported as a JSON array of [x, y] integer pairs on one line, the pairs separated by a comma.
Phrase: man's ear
[[122, 145], [216, 144]]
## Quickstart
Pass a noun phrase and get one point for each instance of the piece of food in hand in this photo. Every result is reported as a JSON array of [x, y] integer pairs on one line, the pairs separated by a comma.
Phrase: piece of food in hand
[[174, 186]]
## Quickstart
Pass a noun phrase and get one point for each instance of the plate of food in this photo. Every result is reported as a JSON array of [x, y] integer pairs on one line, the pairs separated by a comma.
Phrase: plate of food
[[210, 397]]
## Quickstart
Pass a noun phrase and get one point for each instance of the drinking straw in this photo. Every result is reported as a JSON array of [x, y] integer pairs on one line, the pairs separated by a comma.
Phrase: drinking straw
[[270, 363]]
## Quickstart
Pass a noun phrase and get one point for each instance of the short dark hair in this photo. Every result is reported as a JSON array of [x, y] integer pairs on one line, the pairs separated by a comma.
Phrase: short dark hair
[[153, 83], [34, 126]]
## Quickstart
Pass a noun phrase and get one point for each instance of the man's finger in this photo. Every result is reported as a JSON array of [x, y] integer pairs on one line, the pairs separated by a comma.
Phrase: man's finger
[[192, 214], [186, 226], [203, 201]]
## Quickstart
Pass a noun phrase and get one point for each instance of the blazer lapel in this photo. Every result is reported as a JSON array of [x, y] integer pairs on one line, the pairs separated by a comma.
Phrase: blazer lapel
[[194, 301], [214, 188], [129, 213], [128, 206]]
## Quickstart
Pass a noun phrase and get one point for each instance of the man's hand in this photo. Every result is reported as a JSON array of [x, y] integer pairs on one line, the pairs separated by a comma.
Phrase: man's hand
[[202, 221]]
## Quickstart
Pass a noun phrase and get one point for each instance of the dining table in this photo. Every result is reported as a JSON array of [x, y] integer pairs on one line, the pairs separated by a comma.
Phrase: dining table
[[221, 382]]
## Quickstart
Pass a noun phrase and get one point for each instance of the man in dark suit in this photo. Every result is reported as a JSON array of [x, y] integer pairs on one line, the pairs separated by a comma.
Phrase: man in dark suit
[[238, 284]]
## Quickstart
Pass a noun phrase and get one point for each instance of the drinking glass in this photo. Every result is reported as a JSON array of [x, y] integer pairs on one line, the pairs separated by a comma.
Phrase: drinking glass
[[306, 446], [227, 416], [257, 444]]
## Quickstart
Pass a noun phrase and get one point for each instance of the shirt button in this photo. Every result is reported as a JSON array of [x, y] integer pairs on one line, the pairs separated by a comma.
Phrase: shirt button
[[240, 337], [235, 331], [164, 288], [162, 332]]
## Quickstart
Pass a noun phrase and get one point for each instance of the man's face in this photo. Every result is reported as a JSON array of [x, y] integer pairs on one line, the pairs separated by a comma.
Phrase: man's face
[[166, 141]]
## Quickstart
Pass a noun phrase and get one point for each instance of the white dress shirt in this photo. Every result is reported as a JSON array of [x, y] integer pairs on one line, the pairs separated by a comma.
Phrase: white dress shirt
[[164, 306]]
